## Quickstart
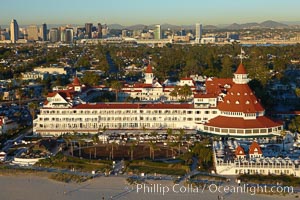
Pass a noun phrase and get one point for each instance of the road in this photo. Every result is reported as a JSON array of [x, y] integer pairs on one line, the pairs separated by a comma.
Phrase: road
[[18, 138]]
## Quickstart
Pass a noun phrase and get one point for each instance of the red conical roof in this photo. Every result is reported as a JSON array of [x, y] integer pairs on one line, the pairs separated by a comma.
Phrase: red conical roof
[[76, 81], [241, 69], [239, 151], [149, 69], [255, 148], [240, 98]]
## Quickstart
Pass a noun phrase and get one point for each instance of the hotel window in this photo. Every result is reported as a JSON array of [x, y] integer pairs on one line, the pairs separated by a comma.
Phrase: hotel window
[[198, 112], [240, 131], [214, 112], [269, 130], [224, 130], [248, 131], [256, 131], [232, 131], [263, 130], [189, 119], [189, 112], [206, 112]]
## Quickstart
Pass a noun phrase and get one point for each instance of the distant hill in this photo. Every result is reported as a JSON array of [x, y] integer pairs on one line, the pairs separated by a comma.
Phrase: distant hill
[[265, 24]]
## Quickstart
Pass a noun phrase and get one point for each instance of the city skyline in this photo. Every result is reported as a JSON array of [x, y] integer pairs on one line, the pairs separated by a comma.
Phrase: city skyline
[[132, 12]]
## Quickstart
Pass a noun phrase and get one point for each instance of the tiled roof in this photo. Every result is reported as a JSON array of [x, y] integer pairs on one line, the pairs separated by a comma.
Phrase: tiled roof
[[239, 151], [255, 148], [76, 81], [240, 98], [241, 69], [149, 69], [205, 95], [134, 106], [240, 123], [216, 85]]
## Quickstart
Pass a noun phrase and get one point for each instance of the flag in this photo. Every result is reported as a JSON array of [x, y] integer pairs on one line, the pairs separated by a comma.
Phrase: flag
[[242, 51]]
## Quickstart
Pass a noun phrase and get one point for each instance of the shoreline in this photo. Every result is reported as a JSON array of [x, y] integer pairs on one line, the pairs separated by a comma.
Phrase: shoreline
[[32, 186]]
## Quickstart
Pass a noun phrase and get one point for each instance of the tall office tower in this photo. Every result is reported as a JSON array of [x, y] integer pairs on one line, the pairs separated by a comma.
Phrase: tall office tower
[[43, 32], [198, 32], [33, 32], [88, 30], [104, 31], [69, 35], [53, 35], [99, 30], [14, 31], [124, 33], [157, 32]]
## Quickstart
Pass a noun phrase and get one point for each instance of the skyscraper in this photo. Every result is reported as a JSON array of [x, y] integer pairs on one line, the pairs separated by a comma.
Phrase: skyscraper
[[33, 32], [69, 35], [14, 31], [157, 32], [53, 35], [88, 30], [198, 32], [43, 32], [99, 30]]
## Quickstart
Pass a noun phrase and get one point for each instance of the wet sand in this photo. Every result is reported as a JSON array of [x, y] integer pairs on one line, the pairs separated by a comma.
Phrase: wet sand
[[25, 187]]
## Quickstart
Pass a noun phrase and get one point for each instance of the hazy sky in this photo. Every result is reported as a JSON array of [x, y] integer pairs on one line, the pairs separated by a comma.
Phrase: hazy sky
[[129, 12]]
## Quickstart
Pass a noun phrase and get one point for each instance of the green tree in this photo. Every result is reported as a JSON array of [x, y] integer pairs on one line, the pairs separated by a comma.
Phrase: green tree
[[297, 92], [90, 78], [116, 86], [185, 92], [227, 64]]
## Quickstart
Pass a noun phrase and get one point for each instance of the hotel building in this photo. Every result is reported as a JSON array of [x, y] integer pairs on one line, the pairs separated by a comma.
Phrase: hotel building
[[227, 107]]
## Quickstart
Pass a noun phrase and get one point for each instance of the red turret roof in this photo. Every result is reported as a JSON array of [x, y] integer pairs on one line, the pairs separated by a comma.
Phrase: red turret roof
[[241, 69], [76, 81], [149, 69], [239, 151], [240, 123], [240, 98], [254, 148]]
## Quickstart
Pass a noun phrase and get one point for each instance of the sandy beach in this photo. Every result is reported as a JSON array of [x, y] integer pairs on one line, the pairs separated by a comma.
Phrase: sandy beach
[[25, 187]]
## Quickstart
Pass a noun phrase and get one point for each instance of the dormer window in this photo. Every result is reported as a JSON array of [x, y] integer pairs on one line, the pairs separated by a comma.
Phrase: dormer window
[[247, 102], [245, 93], [228, 101], [237, 102], [238, 94]]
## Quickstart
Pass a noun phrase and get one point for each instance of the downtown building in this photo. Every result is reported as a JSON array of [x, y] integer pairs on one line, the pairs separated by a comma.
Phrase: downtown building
[[227, 107]]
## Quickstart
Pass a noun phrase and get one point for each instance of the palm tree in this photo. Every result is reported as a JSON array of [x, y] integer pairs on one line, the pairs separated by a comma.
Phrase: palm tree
[[80, 142], [132, 148], [116, 86], [113, 145], [179, 139], [32, 107], [170, 141]]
